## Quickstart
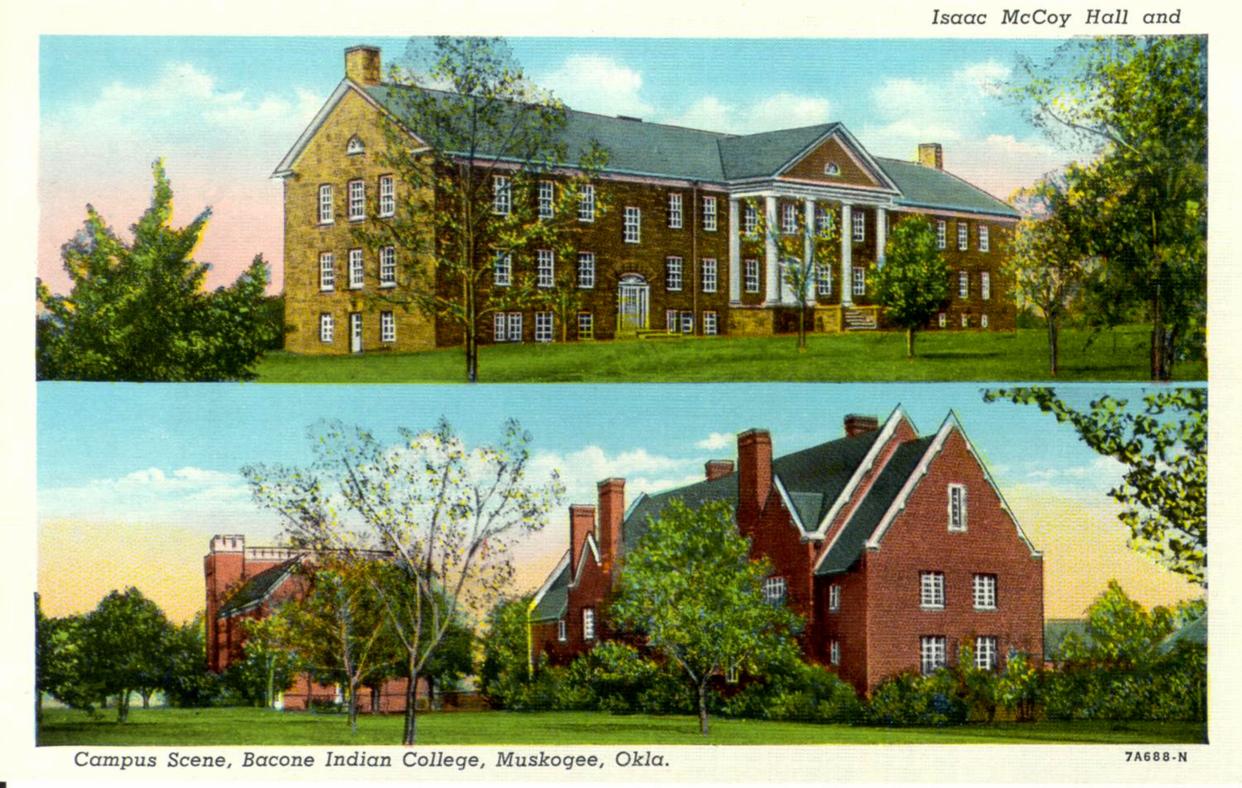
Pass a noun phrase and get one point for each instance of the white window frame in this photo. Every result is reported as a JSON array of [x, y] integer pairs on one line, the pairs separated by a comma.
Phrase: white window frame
[[986, 653], [588, 623], [823, 219], [942, 234], [545, 270], [983, 321], [963, 236], [632, 228], [544, 326], [515, 327], [327, 327], [931, 590], [985, 285], [751, 268], [957, 507], [931, 653], [499, 327], [674, 210], [750, 219], [859, 220], [774, 590], [732, 674], [687, 322], [387, 196], [709, 323], [834, 652], [388, 327], [586, 270], [834, 598], [672, 274], [983, 237], [942, 320], [586, 203], [357, 200], [388, 266], [965, 320], [860, 281], [672, 320], [355, 146], [709, 214], [983, 591], [562, 631], [789, 218], [326, 215], [502, 195], [963, 284], [709, 274], [502, 269], [327, 272], [823, 280], [547, 199], [357, 269], [586, 325]]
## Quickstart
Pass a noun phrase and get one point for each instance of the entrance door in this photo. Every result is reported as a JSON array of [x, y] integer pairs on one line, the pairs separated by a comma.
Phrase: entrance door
[[355, 332], [632, 302]]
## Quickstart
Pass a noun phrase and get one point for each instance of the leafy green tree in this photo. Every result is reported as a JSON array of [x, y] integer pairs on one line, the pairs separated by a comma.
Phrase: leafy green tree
[[125, 637], [270, 662], [186, 681], [1163, 446], [452, 661], [1141, 103], [138, 311], [506, 651], [469, 194], [1018, 686], [1120, 635], [913, 283], [691, 589]]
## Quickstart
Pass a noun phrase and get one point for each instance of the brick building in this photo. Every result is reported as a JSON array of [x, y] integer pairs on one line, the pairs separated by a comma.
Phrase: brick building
[[895, 549], [678, 252]]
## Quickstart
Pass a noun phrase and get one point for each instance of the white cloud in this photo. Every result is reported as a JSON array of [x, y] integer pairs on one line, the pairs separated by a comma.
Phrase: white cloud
[[643, 471], [717, 440], [1101, 471], [598, 84], [779, 111], [186, 495]]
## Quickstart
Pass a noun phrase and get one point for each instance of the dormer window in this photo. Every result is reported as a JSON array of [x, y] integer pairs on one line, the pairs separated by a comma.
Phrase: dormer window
[[354, 146], [831, 168]]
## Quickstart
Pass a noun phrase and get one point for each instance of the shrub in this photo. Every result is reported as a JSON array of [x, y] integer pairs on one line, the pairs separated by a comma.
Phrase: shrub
[[799, 691], [911, 699], [611, 676], [1018, 686]]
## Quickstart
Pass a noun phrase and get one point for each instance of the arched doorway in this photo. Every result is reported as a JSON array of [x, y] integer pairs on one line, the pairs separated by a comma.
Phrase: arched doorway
[[633, 301]]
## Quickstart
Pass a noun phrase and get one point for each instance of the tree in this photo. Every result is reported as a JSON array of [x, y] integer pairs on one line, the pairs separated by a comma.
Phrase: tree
[[138, 311], [125, 637], [1141, 102], [506, 667], [690, 588], [1163, 446], [270, 662], [470, 202], [444, 514], [913, 283], [1121, 635], [186, 681]]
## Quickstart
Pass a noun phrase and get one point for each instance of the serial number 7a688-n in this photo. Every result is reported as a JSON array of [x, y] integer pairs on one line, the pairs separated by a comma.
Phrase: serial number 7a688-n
[[1154, 756]]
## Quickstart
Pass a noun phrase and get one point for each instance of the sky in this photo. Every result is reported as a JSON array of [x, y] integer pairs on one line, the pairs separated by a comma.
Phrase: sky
[[134, 479], [222, 111]]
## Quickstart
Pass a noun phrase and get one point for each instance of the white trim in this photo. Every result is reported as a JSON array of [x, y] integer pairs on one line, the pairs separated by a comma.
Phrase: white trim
[[577, 573], [785, 499], [547, 584], [853, 149], [886, 433]]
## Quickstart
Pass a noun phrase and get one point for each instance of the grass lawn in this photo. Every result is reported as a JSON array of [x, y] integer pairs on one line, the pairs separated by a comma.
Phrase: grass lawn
[[855, 356], [183, 727]]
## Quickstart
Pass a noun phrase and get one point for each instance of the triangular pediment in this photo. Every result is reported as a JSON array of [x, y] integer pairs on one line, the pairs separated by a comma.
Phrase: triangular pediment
[[838, 160]]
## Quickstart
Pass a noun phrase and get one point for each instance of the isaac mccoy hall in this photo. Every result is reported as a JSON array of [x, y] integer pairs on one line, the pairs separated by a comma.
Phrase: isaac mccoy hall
[[680, 249]]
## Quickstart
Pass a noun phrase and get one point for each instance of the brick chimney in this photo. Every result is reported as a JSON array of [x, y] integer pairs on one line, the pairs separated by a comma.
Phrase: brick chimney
[[754, 470], [581, 523], [718, 469], [856, 424], [611, 511], [362, 64], [931, 155]]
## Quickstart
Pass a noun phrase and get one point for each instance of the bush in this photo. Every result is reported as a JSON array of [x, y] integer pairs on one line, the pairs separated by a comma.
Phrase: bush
[[911, 699], [1173, 687], [798, 691]]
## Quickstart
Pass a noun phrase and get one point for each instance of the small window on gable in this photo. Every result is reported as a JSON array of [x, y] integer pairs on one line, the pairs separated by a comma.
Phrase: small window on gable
[[957, 507], [831, 168], [354, 146]]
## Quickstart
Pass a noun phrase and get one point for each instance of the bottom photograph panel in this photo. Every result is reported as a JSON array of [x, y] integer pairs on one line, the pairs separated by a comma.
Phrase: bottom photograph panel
[[618, 565]]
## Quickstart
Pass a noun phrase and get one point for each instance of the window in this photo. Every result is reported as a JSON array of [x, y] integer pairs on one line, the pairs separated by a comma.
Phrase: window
[[586, 203], [941, 233], [632, 231], [750, 219], [731, 674], [543, 326], [671, 320], [515, 326], [985, 285], [942, 320], [547, 196], [963, 284], [502, 195], [709, 275], [546, 265], [709, 323], [672, 273], [860, 226], [357, 200], [834, 598], [823, 219], [388, 266], [831, 168], [834, 652], [789, 218], [355, 269], [562, 633], [354, 146], [983, 237], [965, 320], [388, 327], [325, 204], [502, 269], [985, 652], [983, 321], [588, 624], [499, 330], [823, 280], [957, 506], [325, 327], [709, 214], [931, 653], [674, 210], [586, 325], [752, 275], [963, 236], [984, 587], [586, 270], [860, 281], [931, 589], [327, 272], [687, 322], [388, 196], [774, 590]]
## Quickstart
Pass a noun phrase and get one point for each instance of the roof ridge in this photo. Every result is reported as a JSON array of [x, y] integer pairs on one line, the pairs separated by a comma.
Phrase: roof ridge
[[949, 173]]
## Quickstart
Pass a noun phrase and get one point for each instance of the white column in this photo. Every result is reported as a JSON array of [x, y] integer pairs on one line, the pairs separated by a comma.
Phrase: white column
[[735, 253], [847, 249], [881, 235], [808, 248], [772, 281]]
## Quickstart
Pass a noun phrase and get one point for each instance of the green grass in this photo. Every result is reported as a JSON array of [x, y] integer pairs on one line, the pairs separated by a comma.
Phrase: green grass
[[855, 356], [185, 727]]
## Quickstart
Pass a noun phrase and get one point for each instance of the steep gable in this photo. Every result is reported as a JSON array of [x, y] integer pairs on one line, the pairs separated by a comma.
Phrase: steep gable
[[258, 589], [552, 598], [834, 155]]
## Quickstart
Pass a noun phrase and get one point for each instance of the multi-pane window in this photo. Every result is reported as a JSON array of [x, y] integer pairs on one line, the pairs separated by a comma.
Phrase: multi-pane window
[[388, 266], [983, 321], [502, 269], [942, 320], [586, 325], [588, 623], [543, 326], [562, 631], [957, 507], [709, 323], [674, 210], [834, 652], [941, 234], [327, 272], [985, 285], [355, 147], [547, 197], [931, 653], [823, 280], [823, 219], [985, 652], [545, 272], [860, 281], [387, 196], [750, 219], [751, 269], [501, 327], [586, 203], [931, 589], [687, 322], [357, 200], [984, 592], [502, 195], [789, 218], [586, 270], [709, 214], [355, 269], [672, 273], [632, 228], [963, 284], [963, 236], [965, 320], [325, 327], [860, 226], [834, 598], [732, 673], [709, 275], [388, 327], [671, 318], [325, 204], [774, 590], [515, 326], [983, 238]]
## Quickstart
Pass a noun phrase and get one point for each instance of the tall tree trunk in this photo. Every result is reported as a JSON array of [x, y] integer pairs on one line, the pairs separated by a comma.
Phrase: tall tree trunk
[[1159, 364], [1054, 353], [353, 707], [703, 707], [909, 342], [411, 698], [802, 327], [146, 698], [375, 699], [122, 706], [472, 356]]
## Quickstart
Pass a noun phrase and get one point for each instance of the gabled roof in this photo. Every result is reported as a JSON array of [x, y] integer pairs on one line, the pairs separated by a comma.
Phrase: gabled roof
[[766, 153], [1194, 632], [693, 496], [928, 187], [257, 589], [816, 476], [552, 599]]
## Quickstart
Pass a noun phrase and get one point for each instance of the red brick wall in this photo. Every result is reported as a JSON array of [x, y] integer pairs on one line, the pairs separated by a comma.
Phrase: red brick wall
[[811, 168], [902, 433], [775, 535], [848, 625], [592, 590]]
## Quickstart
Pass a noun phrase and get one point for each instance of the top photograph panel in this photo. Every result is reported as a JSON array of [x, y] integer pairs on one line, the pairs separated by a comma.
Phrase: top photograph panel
[[614, 210]]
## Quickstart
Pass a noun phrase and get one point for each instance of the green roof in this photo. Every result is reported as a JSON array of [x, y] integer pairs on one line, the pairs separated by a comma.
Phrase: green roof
[[556, 599], [1194, 632], [1056, 630], [928, 187], [765, 153], [693, 496], [256, 588]]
